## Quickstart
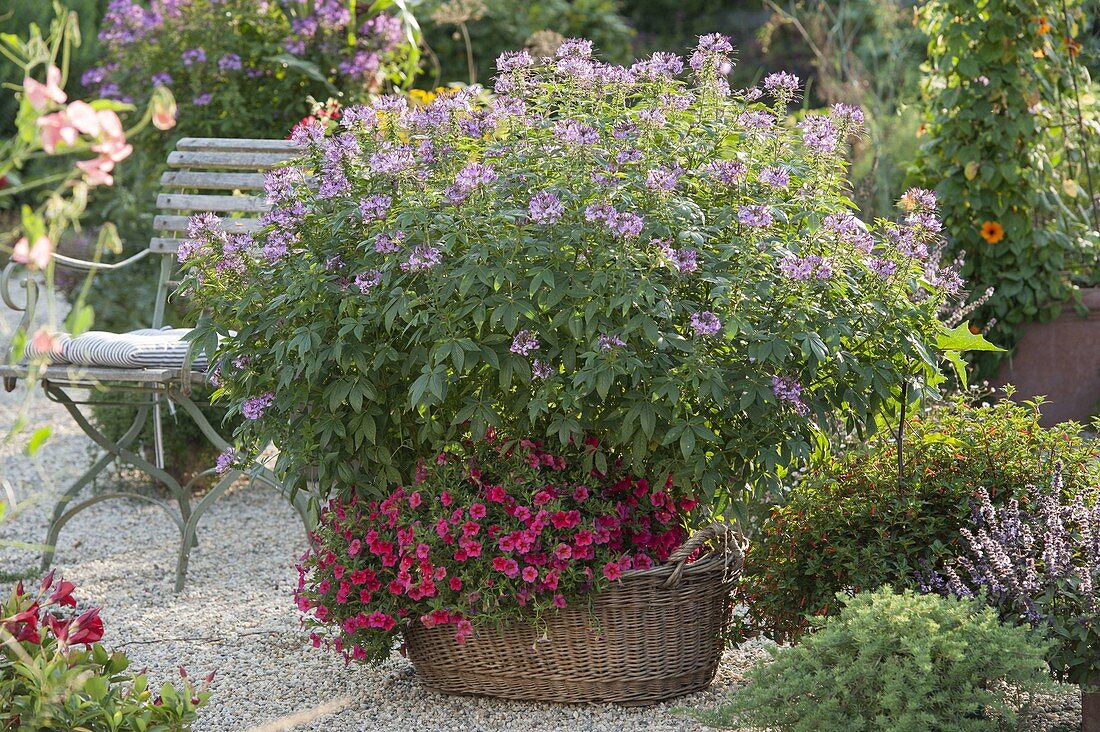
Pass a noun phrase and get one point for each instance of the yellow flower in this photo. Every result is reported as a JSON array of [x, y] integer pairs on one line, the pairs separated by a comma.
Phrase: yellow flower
[[992, 232]]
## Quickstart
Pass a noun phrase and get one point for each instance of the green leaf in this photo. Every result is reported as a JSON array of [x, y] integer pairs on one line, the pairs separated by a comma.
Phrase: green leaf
[[955, 359], [38, 439], [80, 319], [960, 338], [306, 68]]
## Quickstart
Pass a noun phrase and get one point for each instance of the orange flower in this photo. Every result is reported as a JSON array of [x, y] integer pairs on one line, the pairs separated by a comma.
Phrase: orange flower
[[1044, 26], [992, 232]]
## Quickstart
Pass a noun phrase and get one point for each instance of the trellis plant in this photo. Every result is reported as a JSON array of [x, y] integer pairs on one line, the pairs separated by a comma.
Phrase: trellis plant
[[1001, 147], [633, 254]]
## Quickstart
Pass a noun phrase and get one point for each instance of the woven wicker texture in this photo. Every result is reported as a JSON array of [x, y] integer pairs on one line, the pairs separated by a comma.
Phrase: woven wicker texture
[[656, 634]]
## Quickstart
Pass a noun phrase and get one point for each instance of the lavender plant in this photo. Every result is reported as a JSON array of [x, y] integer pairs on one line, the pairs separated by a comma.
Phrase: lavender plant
[[639, 255], [1037, 560]]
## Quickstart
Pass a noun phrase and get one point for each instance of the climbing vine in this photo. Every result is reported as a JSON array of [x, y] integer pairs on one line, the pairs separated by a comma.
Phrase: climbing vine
[[1001, 144]]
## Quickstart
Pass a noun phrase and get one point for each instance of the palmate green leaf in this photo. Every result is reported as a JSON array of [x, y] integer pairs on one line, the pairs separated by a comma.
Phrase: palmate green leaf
[[960, 338]]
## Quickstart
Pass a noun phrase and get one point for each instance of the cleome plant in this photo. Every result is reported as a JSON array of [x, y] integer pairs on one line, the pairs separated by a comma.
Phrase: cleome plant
[[640, 255]]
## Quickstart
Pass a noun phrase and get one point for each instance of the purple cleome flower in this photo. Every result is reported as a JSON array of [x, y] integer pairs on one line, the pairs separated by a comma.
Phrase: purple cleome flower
[[254, 407], [848, 113], [392, 160], [203, 99], [820, 134], [660, 65], [782, 85], [662, 179], [421, 258], [469, 179], [610, 342], [388, 243], [193, 56], [524, 343], [775, 177], [575, 133], [884, 268], [162, 78], [684, 260], [545, 208], [754, 216], [514, 61], [575, 48], [230, 62], [918, 199], [787, 389], [705, 323], [757, 120], [366, 281], [308, 133], [624, 129], [851, 230], [711, 46], [375, 207], [803, 268], [623, 224], [730, 172]]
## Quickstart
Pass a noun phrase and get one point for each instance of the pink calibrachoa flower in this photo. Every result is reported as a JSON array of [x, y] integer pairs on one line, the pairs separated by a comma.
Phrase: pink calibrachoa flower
[[527, 527]]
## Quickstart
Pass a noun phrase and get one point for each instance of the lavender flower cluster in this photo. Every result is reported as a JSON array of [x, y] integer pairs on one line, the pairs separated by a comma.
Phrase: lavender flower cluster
[[1039, 564]]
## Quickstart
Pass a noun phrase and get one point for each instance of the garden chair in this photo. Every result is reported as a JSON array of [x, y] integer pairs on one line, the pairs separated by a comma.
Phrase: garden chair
[[219, 175]]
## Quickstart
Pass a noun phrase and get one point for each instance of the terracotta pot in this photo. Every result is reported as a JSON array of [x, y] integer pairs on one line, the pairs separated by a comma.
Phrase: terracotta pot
[[1090, 709], [1060, 360]]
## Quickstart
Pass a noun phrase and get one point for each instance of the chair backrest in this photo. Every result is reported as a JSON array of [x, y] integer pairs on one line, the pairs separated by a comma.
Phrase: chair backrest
[[217, 174]]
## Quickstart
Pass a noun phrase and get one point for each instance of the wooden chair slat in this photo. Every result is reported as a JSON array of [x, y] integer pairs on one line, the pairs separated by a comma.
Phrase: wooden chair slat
[[212, 181], [198, 202], [229, 144], [226, 160], [166, 222], [165, 244]]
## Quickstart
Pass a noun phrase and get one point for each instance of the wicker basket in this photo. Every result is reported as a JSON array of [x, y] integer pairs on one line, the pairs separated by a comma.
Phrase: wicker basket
[[657, 634]]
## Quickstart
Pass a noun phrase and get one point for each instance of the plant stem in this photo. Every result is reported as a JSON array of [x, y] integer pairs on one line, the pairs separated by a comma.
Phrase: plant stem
[[469, 53], [901, 430]]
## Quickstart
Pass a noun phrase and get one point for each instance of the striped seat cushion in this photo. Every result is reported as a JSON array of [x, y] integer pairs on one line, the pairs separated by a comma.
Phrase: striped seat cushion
[[147, 348]]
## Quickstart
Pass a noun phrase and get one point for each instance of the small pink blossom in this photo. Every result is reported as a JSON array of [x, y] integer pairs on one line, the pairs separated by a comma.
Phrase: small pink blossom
[[39, 94], [36, 255], [56, 128]]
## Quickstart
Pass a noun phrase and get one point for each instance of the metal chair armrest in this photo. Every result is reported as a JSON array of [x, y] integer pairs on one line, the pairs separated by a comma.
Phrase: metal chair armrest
[[27, 307], [84, 265]]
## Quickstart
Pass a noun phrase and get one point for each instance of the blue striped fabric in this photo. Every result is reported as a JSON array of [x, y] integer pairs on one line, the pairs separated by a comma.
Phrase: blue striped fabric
[[145, 348]]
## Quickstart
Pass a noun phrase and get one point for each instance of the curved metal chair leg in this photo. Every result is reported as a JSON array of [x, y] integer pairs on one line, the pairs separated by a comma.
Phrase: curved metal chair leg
[[192, 522], [60, 515], [64, 518]]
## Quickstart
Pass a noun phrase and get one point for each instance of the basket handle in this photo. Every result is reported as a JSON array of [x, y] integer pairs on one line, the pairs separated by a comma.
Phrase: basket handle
[[716, 530]]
